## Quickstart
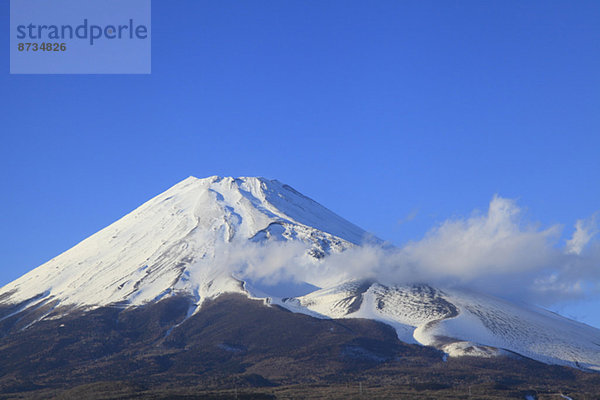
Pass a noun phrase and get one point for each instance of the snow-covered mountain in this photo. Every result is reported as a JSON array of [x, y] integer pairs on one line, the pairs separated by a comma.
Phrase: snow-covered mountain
[[168, 245], [181, 242]]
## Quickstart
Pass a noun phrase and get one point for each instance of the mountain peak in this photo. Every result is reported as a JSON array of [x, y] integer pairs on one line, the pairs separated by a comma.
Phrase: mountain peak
[[275, 199], [158, 249]]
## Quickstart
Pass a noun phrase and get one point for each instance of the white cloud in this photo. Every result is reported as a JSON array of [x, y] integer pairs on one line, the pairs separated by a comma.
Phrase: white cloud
[[585, 230], [484, 245], [501, 253]]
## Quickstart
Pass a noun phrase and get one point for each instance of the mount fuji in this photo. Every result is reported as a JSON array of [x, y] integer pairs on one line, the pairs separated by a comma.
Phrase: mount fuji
[[208, 239], [169, 245]]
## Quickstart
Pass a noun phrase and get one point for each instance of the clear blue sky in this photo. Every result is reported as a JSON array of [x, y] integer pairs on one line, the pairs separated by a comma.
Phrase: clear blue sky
[[375, 109]]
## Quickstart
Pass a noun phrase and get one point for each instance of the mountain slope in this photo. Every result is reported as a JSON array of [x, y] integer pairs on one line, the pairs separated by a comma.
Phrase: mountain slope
[[238, 348], [460, 322]]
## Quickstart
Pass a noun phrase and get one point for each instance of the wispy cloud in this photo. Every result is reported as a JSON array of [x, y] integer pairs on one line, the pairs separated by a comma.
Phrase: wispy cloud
[[409, 217], [585, 230]]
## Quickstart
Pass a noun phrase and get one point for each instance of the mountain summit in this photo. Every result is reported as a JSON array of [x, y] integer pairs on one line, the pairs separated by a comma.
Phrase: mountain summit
[[167, 245], [183, 242]]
